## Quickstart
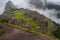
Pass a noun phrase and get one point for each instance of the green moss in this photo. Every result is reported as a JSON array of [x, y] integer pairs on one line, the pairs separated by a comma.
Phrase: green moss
[[20, 15]]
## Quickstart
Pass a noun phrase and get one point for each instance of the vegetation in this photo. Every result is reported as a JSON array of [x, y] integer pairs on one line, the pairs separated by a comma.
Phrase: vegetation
[[31, 30], [1, 31], [20, 15], [56, 32], [51, 26], [46, 25]]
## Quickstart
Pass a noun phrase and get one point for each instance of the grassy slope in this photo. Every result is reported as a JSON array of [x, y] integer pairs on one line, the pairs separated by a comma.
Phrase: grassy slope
[[32, 30], [20, 15]]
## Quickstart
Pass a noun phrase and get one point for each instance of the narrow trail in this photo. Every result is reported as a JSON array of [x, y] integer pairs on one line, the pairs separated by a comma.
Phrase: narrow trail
[[11, 33]]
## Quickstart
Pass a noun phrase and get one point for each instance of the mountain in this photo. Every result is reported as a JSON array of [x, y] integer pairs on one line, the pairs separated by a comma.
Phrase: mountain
[[45, 4], [10, 5], [38, 4], [53, 6], [24, 24]]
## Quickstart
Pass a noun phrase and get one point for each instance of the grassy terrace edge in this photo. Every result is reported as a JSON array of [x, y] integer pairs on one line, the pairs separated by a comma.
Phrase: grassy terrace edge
[[32, 31]]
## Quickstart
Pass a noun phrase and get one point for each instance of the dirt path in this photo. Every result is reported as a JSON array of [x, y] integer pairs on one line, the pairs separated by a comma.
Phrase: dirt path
[[16, 34]]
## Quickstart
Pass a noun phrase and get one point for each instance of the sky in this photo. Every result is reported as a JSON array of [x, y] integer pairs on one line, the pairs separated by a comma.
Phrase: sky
[[21, 3]]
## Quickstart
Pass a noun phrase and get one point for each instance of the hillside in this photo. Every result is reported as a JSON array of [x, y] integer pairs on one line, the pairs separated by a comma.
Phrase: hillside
[[24, 24]]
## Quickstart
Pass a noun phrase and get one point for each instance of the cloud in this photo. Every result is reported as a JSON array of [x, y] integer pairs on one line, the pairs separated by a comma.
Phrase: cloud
[[53, 0], [21, 3]]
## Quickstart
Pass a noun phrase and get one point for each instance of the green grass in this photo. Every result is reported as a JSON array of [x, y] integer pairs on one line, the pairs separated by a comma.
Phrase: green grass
[[20, 15], [1, 31], [33, 24]]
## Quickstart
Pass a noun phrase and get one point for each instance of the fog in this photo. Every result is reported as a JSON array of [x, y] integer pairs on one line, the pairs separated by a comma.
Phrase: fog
[[49, 13]]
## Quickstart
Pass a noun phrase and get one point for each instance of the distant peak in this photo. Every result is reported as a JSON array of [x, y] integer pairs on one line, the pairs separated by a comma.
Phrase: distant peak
[[10, 4]]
